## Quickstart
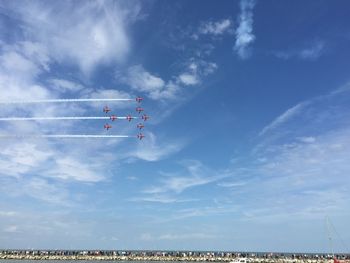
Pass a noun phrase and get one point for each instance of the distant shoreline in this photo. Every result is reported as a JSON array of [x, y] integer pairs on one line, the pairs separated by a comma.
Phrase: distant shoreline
[[175, 256]]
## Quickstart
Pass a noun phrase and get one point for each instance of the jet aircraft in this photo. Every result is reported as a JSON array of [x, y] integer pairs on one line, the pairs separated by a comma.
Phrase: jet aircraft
[[106, 109], [140, 136], [107, 126]]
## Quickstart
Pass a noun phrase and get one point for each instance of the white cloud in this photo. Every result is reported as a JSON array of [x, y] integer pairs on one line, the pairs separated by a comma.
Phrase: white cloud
[[198, 175], [215, 28], [42, 190], [196, 70], [54, 33], [216, 210], [301, 175], [283, 118], [142, 81], [24, 61], [163, 199], [17, 159], [156, 88], [103, 93], [188, 79], [309, 108], [36, 52], [90, 35], [63, 85], [11, 229], [312, 51], [192, 236], [309, 178], [174, 237], [15, 62], [244, 32], [308, 139], [68, 168], [232, 184], [7, 213], [152, 150], [146, 237], [36, 187]]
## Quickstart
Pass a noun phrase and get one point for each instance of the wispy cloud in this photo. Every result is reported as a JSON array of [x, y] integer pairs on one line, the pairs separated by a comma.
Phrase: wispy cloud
[[212, 28], [21, 158], [156, 88], [199, 211], [198, 175], [161, 198], [65, 85], [175, 237], [192, 236], [11, 229], [195, 70], [305, 166], [309, 178], [310, 107], [36, 188], [18, 159], [244, 32], [232, 184], [154, 150], [7, 213], [188, 79], [283, 118], [311, 52]]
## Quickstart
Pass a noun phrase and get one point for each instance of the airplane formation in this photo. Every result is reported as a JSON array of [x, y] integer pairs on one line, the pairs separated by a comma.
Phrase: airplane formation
[[106, 110], [129, 118]]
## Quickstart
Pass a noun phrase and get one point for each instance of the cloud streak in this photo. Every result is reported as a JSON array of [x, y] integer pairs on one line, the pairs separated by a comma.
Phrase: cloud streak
[[154, 150], [311, 52], [300, 167], [283, 118], [244, 32], [177, 184]]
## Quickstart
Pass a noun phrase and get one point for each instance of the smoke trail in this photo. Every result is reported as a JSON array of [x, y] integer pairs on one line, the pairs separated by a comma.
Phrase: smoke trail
[[64, 136], [61, 118], [60, 100]]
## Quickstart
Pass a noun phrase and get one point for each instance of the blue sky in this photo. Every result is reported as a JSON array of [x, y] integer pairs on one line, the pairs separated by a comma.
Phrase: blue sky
[[248, 143]]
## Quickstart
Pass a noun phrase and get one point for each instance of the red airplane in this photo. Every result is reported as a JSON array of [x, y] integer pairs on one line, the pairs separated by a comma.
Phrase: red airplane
[[139, 109], [113, 117], [139, 99], [107, 126], [129, 118], [140, 136], [140, 126], [145, 117], [106, 109]]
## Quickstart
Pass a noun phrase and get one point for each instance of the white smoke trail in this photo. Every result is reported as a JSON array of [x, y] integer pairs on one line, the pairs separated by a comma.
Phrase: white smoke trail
[[60, 100], [61, 118], [64, 136]]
